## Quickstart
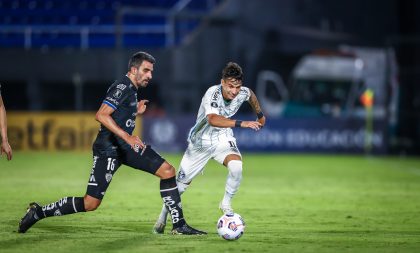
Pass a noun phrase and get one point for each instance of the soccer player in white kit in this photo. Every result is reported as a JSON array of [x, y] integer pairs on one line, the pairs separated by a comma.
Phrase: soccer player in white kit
[[212, 136]]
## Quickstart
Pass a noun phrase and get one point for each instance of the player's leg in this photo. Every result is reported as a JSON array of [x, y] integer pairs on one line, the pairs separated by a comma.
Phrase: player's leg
[[148, 160], [99, 179], [228, 154], [192, 164], [63, 206], [159, 227]]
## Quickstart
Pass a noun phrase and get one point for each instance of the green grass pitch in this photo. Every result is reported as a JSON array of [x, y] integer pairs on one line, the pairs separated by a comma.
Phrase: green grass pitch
[[291, 203]]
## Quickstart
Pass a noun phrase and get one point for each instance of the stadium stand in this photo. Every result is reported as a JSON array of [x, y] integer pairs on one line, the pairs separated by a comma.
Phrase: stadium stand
[[88, 23]]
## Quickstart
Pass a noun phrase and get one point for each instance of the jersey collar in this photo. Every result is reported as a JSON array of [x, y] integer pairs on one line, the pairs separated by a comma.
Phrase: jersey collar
[[128, 80]]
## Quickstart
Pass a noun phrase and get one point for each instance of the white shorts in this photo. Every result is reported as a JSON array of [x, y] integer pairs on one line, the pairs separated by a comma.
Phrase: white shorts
[[197, 155]]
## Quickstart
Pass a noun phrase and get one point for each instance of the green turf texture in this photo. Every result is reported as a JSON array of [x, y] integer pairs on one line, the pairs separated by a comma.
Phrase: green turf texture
[[291, 203]]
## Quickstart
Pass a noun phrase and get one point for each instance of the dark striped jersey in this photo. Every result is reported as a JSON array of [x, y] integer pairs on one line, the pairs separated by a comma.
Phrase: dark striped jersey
[[122, 97]]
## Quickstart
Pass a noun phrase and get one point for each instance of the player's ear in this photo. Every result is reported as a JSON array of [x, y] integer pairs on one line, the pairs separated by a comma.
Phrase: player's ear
[[133, 70], [222, 81]]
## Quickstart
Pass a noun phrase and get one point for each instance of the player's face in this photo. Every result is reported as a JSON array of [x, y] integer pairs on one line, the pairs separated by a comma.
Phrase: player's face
[[143, 74], [231, 88]]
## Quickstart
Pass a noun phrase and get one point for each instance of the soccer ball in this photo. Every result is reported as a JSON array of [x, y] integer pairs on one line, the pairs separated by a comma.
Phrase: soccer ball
[[231, 227]]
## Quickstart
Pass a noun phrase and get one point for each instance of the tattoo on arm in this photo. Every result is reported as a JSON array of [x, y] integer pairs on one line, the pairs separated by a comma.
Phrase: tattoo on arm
[[253, 101]]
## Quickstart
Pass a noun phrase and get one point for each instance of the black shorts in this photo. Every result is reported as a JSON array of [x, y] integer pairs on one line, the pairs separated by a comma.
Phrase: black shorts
[[104, 167]]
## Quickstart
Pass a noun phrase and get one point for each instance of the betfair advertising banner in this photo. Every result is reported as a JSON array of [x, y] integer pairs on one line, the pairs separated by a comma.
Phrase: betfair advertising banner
[[53, 131], [68, 131]]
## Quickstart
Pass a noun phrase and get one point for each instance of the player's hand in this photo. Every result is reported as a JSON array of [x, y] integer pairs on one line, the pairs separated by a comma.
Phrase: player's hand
[[262, 121], [251, 124], [5, 147], [141, 106], [135, 142]]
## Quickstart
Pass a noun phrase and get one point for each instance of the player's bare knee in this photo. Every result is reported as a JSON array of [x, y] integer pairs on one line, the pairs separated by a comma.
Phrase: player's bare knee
[[91, 204], [235, 168], [166, 171]]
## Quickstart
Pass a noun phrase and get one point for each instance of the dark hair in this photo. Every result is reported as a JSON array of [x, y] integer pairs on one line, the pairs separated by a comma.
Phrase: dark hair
[[137, 59], [232, 70]]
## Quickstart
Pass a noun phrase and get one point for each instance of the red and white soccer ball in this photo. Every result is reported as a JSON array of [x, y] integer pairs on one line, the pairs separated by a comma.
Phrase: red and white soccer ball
[[231, 227]]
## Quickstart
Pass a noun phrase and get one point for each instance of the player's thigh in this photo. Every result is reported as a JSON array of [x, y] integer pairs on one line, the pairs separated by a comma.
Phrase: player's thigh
[[103, 169], [227, 150], [147, 159], [193, 162]]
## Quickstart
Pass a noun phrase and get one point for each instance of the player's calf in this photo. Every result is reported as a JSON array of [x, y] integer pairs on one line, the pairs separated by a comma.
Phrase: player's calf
[[64, 206]]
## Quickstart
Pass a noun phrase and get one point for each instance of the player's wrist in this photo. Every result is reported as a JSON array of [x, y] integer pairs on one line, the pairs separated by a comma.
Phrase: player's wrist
[[260, 115], [238, 123], [126, 137]]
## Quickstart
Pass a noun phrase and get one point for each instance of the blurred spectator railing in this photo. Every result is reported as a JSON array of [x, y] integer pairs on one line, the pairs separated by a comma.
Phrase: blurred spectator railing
[[82, 35], [127, 26]]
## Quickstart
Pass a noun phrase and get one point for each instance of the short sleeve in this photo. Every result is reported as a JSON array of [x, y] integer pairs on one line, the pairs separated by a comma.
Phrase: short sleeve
[[210, 102], [116, 95], [246, 92]]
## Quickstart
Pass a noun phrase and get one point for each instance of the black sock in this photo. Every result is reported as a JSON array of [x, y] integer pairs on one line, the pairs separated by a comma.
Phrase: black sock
[[66, 205], [172, 200]]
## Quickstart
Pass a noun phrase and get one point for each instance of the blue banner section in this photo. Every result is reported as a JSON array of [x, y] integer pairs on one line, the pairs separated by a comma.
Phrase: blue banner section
[[169, 134]]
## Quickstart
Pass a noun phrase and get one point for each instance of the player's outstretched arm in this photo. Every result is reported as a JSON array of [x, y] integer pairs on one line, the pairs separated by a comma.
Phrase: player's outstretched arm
[[220, 121], [5, 146], [253, 101], [103, 115]]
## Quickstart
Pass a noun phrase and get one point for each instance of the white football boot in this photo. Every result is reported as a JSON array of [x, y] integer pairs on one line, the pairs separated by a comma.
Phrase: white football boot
[[226, 208]]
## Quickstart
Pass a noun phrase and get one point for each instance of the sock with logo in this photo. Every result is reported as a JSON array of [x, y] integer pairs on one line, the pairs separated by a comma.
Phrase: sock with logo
[[66, 205], [172, 200]]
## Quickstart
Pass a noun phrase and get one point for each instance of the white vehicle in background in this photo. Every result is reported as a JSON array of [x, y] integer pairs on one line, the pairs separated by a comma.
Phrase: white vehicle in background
[[327, 84]]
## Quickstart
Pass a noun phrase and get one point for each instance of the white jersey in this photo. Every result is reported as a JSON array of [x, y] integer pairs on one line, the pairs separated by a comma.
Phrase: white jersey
[[213, 103]]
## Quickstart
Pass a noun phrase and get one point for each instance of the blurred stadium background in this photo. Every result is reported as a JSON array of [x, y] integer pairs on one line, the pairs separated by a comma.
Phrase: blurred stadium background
[[309, 62], [333, 77]]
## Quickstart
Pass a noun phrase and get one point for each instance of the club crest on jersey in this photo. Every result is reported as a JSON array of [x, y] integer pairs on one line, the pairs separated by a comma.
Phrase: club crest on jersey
[[117, 94], [181, 174], [108, 177], [214, 104]]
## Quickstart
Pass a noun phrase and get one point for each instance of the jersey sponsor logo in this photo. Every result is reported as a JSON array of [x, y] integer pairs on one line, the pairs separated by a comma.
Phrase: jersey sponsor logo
[[130, 123], [117, 93], [133, 103], [215, 96], [113, 100], [121, 86], [214, 104]]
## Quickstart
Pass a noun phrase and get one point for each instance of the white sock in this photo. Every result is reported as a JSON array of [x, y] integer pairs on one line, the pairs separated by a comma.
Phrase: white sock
[[233, 180]]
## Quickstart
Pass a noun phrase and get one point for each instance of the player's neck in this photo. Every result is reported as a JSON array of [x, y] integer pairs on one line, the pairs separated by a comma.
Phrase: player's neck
[[224, 97], [132, 81]]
